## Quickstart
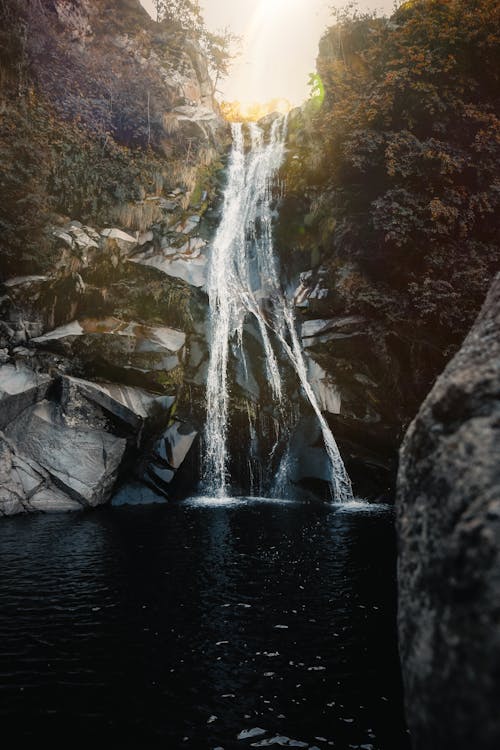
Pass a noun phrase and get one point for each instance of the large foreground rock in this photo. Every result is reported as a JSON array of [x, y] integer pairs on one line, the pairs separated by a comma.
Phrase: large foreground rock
[[449, 550]]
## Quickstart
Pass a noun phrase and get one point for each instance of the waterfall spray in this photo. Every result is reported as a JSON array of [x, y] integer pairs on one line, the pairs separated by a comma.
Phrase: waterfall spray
[[237, 284]]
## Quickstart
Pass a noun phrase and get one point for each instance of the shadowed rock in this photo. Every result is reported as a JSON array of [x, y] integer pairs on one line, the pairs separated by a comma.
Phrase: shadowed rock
[[20, 387]]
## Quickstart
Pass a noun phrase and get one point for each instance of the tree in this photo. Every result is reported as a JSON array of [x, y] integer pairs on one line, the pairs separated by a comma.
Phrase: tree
[[184, 13], [219, 48]]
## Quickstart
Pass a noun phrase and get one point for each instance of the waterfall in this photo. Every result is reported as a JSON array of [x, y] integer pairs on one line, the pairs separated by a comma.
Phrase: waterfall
[[243, 279]]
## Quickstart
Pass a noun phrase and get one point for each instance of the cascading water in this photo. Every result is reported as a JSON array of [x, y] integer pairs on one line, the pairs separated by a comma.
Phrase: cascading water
[[243, 277]]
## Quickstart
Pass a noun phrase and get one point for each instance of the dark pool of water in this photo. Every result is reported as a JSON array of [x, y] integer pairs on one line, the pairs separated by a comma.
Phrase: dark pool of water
[[182, 625]]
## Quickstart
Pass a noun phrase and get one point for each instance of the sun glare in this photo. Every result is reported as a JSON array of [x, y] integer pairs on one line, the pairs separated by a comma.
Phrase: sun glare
[[279, 6], [254, 111]]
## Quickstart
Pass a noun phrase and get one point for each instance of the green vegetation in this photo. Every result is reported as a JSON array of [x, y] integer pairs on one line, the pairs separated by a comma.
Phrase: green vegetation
[[84, 128], [317, 92], [401, 164]]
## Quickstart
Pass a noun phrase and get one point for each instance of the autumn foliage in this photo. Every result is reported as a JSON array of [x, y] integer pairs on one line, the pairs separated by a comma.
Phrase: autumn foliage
[[404, 156]]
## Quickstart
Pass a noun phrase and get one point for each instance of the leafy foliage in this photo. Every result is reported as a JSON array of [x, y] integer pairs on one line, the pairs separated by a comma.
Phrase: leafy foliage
[[404, 155]]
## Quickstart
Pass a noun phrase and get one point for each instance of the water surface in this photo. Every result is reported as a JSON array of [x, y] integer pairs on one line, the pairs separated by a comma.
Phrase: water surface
[[183, 625]]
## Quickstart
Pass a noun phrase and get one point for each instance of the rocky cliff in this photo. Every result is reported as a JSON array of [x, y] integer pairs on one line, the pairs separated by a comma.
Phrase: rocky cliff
[[448, 517], [111, 146]]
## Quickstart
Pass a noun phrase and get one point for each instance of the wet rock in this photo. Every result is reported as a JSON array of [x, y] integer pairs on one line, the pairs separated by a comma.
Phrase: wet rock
[[25, 487], [169, 455], [448, 521], [245, 376], [159, 476], [307, 459], [175, 444], [316, 332], [11, 490], [52, 500], [326, 392], [135, 493], [197, 362]]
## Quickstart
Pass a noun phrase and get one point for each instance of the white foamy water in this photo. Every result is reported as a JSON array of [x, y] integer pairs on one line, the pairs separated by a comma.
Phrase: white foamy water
[[244, 281]]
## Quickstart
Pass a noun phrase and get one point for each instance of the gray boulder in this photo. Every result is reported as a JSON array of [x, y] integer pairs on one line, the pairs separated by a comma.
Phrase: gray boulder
[[65, 454], [130, 406], [20, 387], [124, 344], [448, 519], [175, 444], [169, 454], [25, 487], [83, 463]]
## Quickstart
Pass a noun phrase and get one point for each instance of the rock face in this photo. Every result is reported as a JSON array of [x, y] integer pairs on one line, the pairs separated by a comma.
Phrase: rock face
[[102, 312], [169, 454], [188, 262], [170, 64], [20, 388], [127, 345], [65, 441], [449, 547], [43, 434]]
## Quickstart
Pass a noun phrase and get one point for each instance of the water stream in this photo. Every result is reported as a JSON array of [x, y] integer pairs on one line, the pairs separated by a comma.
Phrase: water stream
[[244, 281]]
